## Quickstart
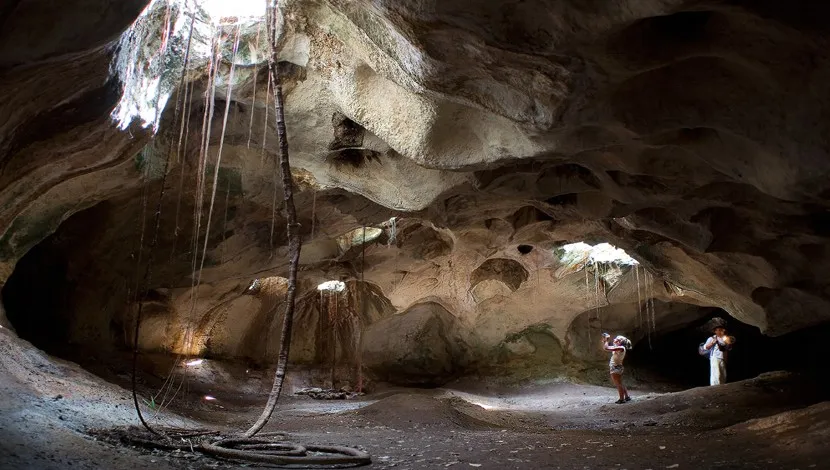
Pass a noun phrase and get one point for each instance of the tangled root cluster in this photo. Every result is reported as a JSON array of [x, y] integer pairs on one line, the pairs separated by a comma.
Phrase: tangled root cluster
[[266, 448]]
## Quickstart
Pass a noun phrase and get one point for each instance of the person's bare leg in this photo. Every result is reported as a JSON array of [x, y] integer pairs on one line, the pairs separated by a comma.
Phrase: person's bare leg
[[617, 379]]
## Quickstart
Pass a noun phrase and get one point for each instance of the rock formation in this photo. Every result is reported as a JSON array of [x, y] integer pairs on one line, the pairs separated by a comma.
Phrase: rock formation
[[472, 139], [424, 345]]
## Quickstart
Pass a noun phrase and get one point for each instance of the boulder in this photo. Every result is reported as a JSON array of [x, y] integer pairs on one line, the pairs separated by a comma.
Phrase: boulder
[[423, 346]]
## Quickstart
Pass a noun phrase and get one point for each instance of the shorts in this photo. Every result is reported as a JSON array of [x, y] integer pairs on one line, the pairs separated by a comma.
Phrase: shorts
[[617, 370]]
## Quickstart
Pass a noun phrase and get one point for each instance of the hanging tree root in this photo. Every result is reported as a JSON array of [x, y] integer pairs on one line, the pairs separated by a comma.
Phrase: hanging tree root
[[294, 237], [261, 449], [157, 223], [267, 449]]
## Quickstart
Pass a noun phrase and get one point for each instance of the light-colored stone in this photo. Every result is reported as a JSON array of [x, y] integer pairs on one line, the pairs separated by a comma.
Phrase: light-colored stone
[[424, 345], [480, 126]]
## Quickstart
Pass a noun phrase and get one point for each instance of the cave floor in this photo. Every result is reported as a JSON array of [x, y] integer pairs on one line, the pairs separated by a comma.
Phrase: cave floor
[[50, 408]]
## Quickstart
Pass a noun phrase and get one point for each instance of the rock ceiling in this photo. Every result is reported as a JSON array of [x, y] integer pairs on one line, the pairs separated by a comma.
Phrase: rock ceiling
[[691, 134]]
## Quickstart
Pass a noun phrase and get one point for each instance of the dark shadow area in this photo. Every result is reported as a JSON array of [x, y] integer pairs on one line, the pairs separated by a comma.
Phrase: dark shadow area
[[63, 291], [35, 294], [508, 271], [524, 249], [673, 357], [76, 287]]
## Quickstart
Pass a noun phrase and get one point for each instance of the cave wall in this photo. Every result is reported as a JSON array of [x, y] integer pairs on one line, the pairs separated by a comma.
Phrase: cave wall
[[649, 99], [59, 150], [531, 310], [691, 135], [56, 139]]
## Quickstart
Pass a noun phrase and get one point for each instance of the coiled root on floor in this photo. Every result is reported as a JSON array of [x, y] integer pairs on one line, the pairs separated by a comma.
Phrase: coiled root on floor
[[265, 448]]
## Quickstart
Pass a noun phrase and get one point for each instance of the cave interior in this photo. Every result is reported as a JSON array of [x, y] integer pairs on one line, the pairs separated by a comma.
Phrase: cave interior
[[481, 190]]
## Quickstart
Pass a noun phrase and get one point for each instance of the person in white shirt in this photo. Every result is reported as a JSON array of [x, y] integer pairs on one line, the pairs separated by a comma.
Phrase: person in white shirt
[[718, 346], [617, 349]]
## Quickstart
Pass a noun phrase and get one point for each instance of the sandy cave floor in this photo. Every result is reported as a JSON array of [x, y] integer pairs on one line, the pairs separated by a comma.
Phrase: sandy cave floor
[[50, 408]]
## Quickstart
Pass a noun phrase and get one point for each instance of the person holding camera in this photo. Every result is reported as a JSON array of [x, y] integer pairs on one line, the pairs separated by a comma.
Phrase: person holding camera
[[617, 349], [718, 346]]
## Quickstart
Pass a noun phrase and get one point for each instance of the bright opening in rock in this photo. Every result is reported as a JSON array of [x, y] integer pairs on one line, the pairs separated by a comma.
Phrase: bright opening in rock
[[332, 286], [149, 71], [221, 9], [600, 253]]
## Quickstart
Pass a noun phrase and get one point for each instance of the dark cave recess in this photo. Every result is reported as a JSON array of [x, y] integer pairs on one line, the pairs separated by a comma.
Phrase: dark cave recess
[[672, 358]]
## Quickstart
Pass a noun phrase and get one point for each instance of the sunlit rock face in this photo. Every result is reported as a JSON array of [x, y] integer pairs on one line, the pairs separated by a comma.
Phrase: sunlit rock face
[[472, 140], [424, 345]]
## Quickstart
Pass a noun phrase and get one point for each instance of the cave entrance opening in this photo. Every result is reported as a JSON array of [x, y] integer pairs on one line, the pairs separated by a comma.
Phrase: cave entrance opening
[[220, 9], [331, 286], [672, 362], [175, 37], [36, 295], [599, 253]]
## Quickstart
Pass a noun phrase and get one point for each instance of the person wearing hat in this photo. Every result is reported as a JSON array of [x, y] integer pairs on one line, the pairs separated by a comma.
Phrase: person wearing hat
[[718, 346]]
